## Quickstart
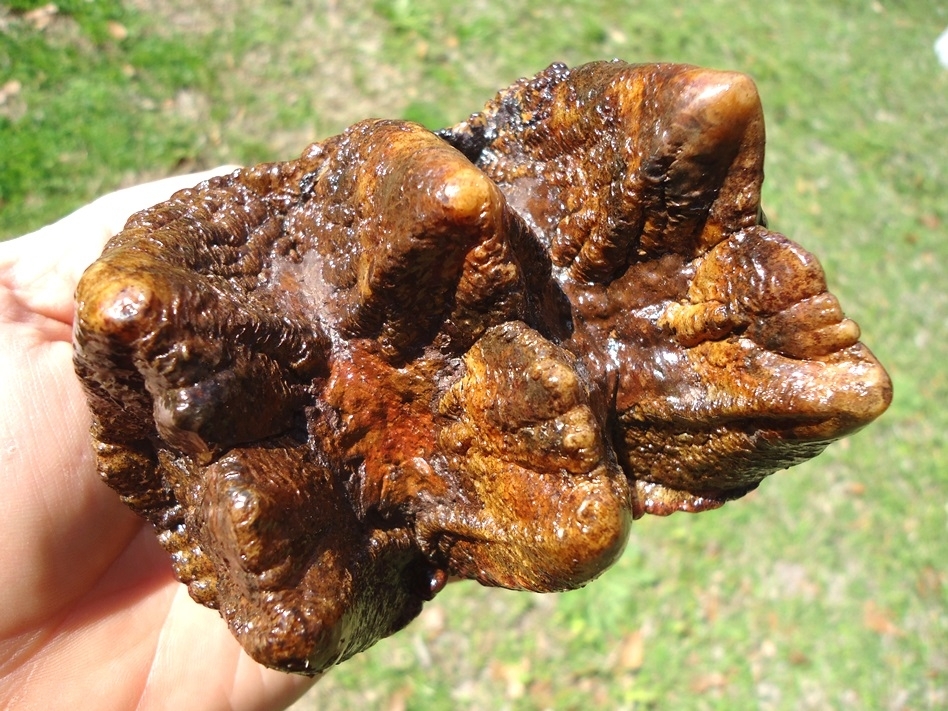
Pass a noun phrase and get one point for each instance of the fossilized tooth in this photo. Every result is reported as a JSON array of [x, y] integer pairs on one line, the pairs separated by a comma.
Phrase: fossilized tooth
[[332, 383]]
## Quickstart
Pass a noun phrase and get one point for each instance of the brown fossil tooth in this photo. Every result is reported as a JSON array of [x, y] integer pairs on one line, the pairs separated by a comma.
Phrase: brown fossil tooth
[[335, 382]]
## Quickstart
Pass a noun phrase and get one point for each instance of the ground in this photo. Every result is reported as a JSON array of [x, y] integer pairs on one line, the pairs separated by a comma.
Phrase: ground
[[826, 588]]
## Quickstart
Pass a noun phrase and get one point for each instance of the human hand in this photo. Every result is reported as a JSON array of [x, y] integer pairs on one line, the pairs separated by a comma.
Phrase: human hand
[[90, 613]]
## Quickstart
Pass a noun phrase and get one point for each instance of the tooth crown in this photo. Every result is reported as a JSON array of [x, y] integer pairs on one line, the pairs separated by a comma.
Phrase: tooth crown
[[332, 383]]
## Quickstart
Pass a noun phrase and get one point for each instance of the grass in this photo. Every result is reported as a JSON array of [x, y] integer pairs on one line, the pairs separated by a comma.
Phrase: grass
[[826, 588]]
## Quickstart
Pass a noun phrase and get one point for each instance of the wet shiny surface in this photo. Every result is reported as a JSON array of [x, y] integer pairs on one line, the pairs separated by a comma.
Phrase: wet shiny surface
[[334, 382]]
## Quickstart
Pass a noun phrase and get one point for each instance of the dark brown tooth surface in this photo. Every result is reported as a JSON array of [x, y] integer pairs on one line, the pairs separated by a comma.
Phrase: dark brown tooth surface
[[332, 384]]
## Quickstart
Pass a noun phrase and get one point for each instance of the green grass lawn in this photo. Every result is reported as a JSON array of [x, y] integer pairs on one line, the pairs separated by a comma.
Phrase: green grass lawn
[[825, 589]]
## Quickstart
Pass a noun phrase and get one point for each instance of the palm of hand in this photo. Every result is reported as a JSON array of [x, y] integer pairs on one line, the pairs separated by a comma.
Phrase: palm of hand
[[89, 609]]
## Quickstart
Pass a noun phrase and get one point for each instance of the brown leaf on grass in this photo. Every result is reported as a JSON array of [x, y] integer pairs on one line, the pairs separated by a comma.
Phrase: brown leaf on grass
[[40, 17], [710, 606], [929, 582], [541, 693], [878, 619], [856, 488], [713, 681], [797, 658], [632, 651], [117, 30], [12, 105], [398, 701], [9, 89]]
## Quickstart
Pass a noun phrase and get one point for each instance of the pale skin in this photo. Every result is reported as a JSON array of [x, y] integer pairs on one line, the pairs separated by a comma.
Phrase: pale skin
[[90, 613]]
